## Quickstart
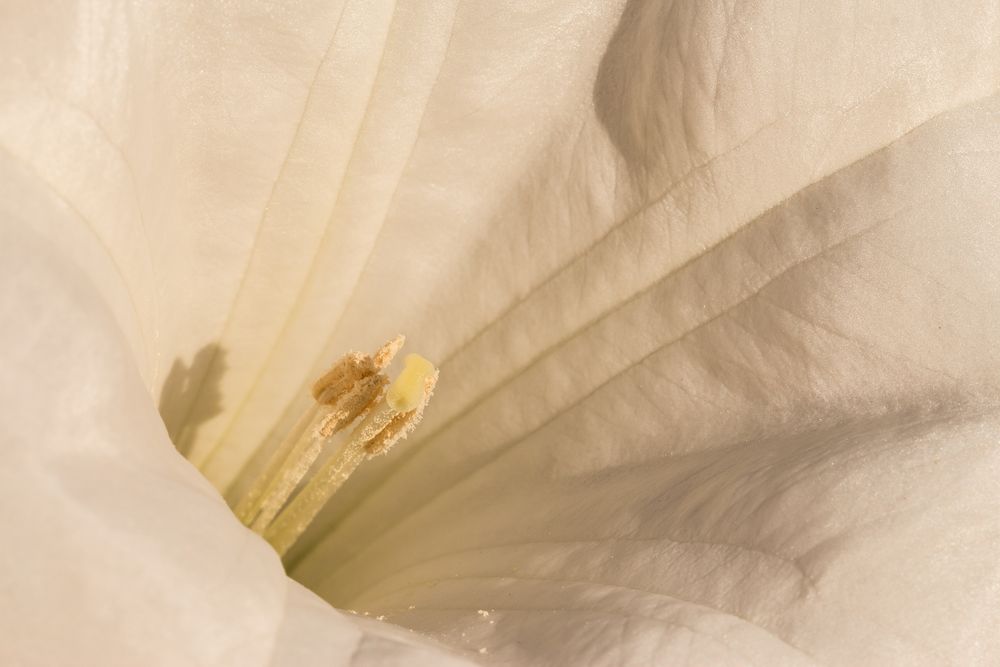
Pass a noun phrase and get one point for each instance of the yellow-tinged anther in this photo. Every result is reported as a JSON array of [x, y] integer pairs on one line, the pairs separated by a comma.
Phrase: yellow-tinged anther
[[353, 390], [403, 423], [407, 390]]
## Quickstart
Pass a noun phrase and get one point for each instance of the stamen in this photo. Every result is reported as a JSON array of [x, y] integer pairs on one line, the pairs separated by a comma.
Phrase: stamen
[[354, 387], [347, 387], [385, 354], [404, 423], [381, 427]]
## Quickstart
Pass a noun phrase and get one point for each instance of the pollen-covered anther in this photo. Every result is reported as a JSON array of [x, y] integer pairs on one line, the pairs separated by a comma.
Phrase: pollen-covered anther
[[351, 369], [342, 376], [361, 397], [402, 409], [385, 354], [403, 423]]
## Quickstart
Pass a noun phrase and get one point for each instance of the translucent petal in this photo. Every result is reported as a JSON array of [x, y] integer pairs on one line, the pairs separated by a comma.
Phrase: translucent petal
[[712, 288], [116, 551]]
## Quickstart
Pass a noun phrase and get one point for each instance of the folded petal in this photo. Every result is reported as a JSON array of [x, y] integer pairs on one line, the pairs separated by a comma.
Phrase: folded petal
[[753, 416], [711, 286], [116, 551]]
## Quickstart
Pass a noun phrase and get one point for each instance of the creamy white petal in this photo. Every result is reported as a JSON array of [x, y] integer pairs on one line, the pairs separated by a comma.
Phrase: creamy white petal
[[795, 432], [751, 405], [589, 228], [116, 551], [713, 289]]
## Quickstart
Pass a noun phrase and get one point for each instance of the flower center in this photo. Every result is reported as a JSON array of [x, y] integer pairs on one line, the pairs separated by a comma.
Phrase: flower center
[[353, 390]]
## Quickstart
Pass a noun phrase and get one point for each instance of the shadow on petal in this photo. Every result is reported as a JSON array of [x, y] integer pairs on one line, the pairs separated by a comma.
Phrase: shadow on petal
[[633, 87], [191, 394]]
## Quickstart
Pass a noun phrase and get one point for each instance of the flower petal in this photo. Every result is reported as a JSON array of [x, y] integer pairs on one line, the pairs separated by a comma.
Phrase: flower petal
[[715, 332], [116, 551], [752, 413]]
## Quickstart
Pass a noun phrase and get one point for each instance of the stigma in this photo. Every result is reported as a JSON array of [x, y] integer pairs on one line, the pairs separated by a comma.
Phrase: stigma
[[356, 398]]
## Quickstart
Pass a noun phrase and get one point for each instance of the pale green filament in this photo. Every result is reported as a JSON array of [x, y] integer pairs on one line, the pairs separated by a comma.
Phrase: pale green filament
[[295, 518], [250, 504]]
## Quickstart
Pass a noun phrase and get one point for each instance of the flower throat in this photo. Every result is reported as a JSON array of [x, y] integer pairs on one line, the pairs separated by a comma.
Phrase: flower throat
[[354, 390]]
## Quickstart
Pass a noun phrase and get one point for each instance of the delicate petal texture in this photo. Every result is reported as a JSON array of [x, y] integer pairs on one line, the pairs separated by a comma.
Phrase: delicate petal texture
[[712, 287], [733, 411], [786, 432], [116, 551]]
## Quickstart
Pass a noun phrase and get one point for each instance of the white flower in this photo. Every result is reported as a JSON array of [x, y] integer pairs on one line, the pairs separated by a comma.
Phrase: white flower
[[713, 289]]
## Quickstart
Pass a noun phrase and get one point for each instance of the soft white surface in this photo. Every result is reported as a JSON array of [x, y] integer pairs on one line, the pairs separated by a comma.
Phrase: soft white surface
[[713, 287], [116, 551]]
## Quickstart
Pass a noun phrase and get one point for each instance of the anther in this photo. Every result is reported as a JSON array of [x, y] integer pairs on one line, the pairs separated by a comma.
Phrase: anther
[[354, 387], [391, 420]]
